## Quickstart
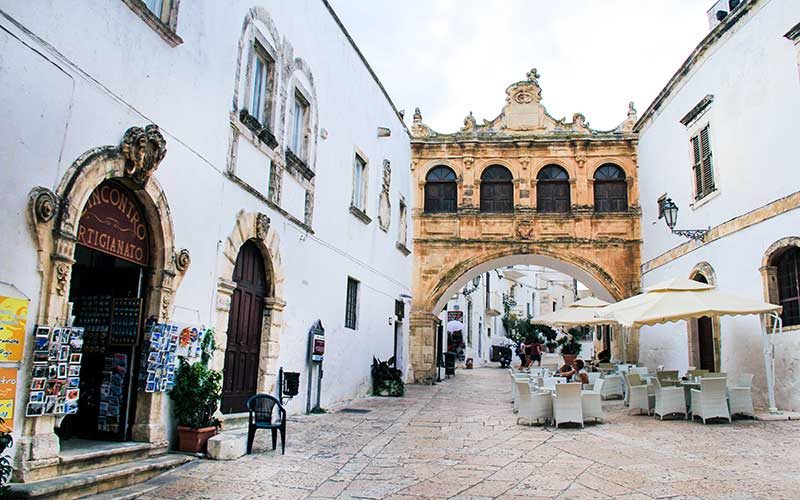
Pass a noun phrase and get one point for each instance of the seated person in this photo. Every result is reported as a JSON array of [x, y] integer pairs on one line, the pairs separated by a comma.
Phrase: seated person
[[604, 356], [576, 373]]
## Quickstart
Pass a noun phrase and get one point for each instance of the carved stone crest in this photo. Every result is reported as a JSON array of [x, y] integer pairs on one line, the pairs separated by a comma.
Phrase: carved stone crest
[[262, 226], [469, 122], [384, 206], [524, 230], [143, 149], [45, 204], [182, 260]]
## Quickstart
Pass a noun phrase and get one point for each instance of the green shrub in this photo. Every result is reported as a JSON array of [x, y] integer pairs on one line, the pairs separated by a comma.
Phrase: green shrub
[[570, 345], [197, 391]]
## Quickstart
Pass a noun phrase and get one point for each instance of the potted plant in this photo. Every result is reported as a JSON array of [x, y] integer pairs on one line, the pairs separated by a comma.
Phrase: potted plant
[[570, 348], [549, 334], [196, 396]]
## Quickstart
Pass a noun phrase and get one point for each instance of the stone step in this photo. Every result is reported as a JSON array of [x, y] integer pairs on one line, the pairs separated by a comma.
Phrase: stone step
[[80, 460], [127, 493], [96, 481]]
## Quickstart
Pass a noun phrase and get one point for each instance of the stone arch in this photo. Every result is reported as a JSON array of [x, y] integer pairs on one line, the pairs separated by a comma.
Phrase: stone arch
[[442, 276], [769, 271], [707, 271], [485, 164], [600, 282], [255, 227], [54, 218], [553, 161]]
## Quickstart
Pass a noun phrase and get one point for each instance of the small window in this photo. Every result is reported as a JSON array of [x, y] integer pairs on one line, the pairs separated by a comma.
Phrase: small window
[[259, 85], [788, 271], [298, 143], [351, 308], [402, 235], [702, 167], [155, 6], [552, 190], [359, 183], [440, 190], [610, 189], [497, 190], [160, 15]]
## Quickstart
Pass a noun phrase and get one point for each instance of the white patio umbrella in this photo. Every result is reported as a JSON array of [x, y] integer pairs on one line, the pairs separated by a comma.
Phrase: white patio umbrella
[[455, 326], [582, 312], [682, 299]]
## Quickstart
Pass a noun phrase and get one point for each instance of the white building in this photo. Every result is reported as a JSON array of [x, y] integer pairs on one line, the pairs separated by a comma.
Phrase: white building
[[720, 141], [529, 291], [282, 178]]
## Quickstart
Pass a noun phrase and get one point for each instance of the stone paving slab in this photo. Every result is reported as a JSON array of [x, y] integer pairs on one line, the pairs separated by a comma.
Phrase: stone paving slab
[[459, 440]]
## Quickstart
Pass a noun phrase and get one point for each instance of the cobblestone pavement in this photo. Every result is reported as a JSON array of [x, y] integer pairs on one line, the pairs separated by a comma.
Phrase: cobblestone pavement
[[459, 440]]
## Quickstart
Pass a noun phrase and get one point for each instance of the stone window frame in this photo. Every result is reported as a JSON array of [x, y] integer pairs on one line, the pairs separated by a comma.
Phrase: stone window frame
[[402, 228], [355, 304], [485, 164], [166, 25], [260, 46], [694, 128], [459, 181], [572, 180], [592, 184], [769, 272], [290, 72], [360, 211]]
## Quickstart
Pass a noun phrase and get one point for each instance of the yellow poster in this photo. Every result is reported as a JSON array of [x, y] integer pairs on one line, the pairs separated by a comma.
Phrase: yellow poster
[[8, 393], [13, 315]]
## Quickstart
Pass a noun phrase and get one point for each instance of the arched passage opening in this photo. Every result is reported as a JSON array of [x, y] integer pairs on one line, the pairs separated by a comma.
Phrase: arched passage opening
[[426, 321]]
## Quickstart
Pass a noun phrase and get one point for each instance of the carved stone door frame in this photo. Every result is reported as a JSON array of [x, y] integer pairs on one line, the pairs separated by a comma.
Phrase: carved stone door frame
[[54, 220]]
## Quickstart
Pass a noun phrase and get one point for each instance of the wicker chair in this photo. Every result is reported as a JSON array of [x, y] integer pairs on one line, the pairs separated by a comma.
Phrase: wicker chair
[[533, 405], [516, 377], [567, 404], [612, 386], [696, 373], [710, 401], [261, 407], [639, 394], [664, 375], [592, 401], [669, 400], [740, 396]]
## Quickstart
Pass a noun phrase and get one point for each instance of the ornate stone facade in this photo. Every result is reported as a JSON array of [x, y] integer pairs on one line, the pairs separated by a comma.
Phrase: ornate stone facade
[[602, 249]]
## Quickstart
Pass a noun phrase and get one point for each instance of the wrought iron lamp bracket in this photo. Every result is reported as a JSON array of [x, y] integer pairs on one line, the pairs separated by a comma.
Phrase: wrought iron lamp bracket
[[695, 234]]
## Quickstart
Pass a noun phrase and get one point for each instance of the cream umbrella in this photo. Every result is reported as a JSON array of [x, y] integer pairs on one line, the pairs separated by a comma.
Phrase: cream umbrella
[[682, 299], [582, 312]]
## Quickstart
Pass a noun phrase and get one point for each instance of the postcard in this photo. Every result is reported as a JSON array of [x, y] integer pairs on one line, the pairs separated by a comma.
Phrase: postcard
[[38, 384], [63, 354], [42, 331], [62, 370], [52, 371], [75, 358], [37, 397], [41, 343], [41, 356], [65, 333], [39, 370], [34, 410], [71, 407], [73, 394], [74, 371], [73, 382], [50, 404]]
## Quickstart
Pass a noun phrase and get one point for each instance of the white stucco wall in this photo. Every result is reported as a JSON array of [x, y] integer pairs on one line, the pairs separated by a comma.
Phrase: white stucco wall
[[79, 92], [752, 74]]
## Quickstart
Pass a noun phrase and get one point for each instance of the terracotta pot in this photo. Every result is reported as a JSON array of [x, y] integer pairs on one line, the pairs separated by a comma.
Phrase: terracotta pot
[[569, 358], [195, 440]]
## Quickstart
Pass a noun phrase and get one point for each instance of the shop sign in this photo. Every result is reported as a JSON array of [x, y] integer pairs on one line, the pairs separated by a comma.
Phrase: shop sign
[[13, 315], [112, 223], [8, 394], [317, 340], [455, 316]]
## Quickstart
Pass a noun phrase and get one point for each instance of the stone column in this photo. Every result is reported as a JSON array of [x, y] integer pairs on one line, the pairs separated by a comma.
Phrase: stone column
[[149, 426], [422, 346]]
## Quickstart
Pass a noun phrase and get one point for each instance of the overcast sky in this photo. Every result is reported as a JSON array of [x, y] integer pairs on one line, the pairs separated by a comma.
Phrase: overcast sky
[[594, 56]]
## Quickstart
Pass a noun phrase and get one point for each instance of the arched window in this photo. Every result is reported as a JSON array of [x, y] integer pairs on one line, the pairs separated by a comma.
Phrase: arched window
[[497, 190], [610, 189], [788, 270], [440, 190], [552, 190]]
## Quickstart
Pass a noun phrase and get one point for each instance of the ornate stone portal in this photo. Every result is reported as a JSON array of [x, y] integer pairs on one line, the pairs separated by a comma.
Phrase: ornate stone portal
[[600, 248], [384, 206]]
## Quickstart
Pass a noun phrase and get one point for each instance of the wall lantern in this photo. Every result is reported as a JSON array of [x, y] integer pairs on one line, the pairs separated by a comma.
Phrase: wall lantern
[[476, 282], [668, 210]]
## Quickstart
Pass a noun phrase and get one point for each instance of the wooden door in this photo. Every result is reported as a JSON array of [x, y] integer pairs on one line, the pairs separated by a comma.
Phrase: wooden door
[[240, 377], [705, 343]]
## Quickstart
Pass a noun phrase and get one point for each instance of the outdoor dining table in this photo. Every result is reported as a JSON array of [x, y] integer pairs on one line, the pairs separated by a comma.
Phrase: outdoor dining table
[[688, 385]]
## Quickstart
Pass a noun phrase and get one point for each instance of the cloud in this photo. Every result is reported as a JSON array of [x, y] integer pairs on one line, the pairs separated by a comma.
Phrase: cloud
[[450, 57]]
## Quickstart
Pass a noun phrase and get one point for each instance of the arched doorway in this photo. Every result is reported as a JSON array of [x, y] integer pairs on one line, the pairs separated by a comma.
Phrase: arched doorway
[[108, 291], [245, 322], [705, 336]]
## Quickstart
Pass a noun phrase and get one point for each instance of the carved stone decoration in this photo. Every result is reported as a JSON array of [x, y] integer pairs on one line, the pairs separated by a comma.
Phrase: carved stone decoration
[[524, 230], [165, 302], [62, 278], [419, 129], [384, 206], [45, 204], [143, 149], [469, 123], [533, 76], [182, 260], [262, 226]]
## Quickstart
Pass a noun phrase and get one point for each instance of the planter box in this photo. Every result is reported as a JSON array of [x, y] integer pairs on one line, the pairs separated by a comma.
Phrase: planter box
[[195, 440]]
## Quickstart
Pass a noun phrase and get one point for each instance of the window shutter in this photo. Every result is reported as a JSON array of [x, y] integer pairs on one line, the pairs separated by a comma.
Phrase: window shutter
[[697, 167], [708, 168]]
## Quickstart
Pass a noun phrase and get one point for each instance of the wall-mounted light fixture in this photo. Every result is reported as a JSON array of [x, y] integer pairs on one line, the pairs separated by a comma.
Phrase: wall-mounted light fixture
[[668, 210]]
